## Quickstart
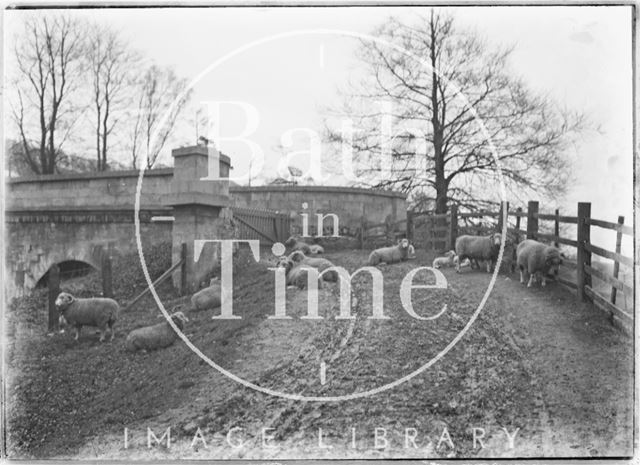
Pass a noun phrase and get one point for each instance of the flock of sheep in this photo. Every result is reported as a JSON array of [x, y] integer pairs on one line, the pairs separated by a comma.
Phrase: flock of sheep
[[533, 259]]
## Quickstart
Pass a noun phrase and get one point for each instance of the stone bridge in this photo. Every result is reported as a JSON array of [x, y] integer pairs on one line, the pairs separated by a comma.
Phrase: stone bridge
[[54, 219]]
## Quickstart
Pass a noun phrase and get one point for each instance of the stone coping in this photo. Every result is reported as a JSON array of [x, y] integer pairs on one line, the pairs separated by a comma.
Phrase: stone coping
[[89, 176], [330, 189]]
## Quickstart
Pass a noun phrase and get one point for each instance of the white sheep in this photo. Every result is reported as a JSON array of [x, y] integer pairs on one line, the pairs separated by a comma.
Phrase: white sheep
[[209, 297], [97, 311], [293, 243], [447, 260], [316, 249], [296, 274], [485, 248], [536, 258], [320, 264], [157, 336], [394, 254]]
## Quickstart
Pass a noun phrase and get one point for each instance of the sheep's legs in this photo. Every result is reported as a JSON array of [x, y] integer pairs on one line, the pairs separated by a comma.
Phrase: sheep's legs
[[544, 281], [531, 276], [521, 277], [489, 266], [77, 332]]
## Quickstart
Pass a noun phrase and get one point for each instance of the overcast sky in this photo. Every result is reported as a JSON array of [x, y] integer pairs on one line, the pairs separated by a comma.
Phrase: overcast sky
[[581, 56]]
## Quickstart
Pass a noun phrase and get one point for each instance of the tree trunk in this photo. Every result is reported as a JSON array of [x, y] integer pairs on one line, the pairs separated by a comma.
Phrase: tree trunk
[[440, 180]]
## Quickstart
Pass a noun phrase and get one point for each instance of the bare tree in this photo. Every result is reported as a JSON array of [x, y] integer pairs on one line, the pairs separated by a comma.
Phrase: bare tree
[[110, 63], [49, 68], [161, 99], [441, 100]]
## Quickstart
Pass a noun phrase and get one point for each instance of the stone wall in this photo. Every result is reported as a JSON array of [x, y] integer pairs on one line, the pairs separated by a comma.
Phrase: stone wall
[[348, 203]]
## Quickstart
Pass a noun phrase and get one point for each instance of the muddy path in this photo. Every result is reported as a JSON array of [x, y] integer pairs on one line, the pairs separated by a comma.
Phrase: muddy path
[[536, 366]]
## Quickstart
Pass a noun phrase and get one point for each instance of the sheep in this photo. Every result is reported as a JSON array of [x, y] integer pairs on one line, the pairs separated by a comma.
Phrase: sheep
[[536, 258], [485, 248], [320, 264], [293, 243], [209, 297], [465, 263], [295, 273], [97, 311], [447, 260], [316, 249], [157, 336], [396, 253]]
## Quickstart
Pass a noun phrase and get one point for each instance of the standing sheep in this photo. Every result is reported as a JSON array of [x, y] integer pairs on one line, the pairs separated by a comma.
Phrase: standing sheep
[[97, 311], [209, 297], [157, 336], [394, 254], [536, 258], [485, 248], [447, 260]]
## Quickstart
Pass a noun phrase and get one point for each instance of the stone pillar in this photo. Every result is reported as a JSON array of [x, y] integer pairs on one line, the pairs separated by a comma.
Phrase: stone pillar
[[200, 210]]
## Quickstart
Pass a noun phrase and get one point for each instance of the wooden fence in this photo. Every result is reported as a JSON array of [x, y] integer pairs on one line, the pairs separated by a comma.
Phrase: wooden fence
[[439, 231], [266, 226]]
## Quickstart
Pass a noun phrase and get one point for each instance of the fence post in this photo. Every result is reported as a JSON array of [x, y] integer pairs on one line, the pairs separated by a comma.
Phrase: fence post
[[556, 229], [584, 256], [107, 277], [532, 219], [453, 227], [363, 226], [616, 264], [53, 283], [183, 269], [410, 226], [503, 206], [519, 210]]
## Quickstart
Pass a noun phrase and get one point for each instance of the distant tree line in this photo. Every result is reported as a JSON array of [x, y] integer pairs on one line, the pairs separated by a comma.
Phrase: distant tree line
[[76, 83]]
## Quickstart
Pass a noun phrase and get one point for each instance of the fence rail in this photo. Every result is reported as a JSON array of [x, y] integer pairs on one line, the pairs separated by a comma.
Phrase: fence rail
[[439, 232]]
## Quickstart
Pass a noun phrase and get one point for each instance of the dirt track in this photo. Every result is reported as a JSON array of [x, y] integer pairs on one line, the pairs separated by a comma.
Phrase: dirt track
[[535, 360]]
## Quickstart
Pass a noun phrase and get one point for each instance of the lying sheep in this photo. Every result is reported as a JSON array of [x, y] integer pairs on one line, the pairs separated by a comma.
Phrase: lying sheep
[[485, 248], [316, 249], [463, 264], [207, 298], [536, 258], [296, 275], [294, 243], [97, 311], [157, 336], [397, 253], [318, 263], [447, 260]]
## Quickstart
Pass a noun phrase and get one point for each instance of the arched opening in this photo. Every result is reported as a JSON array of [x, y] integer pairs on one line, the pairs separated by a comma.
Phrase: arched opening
[[68, 269]]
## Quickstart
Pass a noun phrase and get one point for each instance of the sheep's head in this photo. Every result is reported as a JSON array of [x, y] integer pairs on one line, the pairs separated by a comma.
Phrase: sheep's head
[[286, 263], [297, 256], [496, 239], [291, 241], [63, 301], [450, 254], [403, 244], [179, 319], [552, 259]]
